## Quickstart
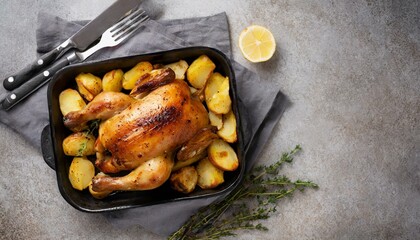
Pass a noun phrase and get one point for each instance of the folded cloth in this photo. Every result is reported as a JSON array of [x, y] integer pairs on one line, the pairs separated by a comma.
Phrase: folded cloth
[[261, 105]]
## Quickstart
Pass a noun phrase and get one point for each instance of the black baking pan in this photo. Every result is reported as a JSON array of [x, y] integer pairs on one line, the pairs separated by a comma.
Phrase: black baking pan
[[52, 139]]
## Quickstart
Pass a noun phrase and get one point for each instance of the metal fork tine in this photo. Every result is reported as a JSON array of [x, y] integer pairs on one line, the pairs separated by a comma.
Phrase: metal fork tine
[[127, 18], [126, 24], [131, 29]]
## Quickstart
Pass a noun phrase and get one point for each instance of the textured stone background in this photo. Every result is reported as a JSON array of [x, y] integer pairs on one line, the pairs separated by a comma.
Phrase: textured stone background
[[352, 71]]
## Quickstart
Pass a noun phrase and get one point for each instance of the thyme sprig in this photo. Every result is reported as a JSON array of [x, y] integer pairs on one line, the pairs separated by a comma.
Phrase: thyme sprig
[[254, 200]]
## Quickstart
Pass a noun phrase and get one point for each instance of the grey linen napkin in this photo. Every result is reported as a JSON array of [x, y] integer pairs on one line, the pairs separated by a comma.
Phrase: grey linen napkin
[[261, 104]]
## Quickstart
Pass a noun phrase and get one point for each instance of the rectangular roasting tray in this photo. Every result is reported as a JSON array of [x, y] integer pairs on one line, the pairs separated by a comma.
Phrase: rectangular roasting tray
[[54, 135]]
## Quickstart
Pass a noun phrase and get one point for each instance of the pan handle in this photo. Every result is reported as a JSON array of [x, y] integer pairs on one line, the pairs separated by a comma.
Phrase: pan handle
[[47, 149]]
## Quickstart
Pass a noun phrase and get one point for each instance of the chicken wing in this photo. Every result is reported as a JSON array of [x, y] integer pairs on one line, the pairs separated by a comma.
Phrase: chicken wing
[[103, 106]]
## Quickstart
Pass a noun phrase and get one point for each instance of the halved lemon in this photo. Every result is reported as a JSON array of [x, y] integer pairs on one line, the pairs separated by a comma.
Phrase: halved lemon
[[257, 43]]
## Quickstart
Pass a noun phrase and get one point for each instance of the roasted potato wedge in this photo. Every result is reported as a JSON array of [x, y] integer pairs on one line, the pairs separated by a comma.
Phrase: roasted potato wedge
[[180, 68], [209, 176], [131, 76], [197, 144], [216, 120], [217, 94], [81, 173], [79, 144], [70, 100], [184, 180], [228, 130], [200, 71], [112, 81], [222, 155], [88, 85]]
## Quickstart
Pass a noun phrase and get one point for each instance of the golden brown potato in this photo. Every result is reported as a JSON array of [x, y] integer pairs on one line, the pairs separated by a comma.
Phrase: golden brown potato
[[197, 144], [70, 100], [184, 180], [216, 120], [179, 68], [88, 85], [131, 76], [222, 155], [217, 94], [79, 144], [199, 71], [81, 173], [112, 81], [209, 176], [228, 130]]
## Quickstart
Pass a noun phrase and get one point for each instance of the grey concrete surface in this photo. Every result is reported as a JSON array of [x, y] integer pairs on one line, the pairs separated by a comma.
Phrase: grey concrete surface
[[352, 71]]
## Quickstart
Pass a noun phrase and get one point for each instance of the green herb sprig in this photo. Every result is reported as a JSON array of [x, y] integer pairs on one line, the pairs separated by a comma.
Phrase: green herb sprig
[[254, 200]]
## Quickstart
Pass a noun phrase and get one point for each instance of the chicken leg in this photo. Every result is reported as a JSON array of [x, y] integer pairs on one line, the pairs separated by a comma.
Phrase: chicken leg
[[150, 175]]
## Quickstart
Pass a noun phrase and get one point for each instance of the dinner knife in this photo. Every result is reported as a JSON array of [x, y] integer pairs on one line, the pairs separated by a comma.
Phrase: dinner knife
[[111, 37], [80, 41]]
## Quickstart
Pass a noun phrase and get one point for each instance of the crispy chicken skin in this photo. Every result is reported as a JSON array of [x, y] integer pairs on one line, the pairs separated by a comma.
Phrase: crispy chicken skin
[[158, 123]]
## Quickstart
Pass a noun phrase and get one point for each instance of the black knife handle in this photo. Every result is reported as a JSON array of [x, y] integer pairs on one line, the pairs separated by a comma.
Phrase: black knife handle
[[33, 84], [35, 67]]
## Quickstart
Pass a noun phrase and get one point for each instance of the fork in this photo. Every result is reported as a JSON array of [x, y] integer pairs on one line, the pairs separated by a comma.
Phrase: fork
[[117, 33], [113, 36]]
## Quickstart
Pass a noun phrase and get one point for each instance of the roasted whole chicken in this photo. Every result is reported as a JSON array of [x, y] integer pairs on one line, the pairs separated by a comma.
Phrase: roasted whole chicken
[[141, 131], [154, 123]]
